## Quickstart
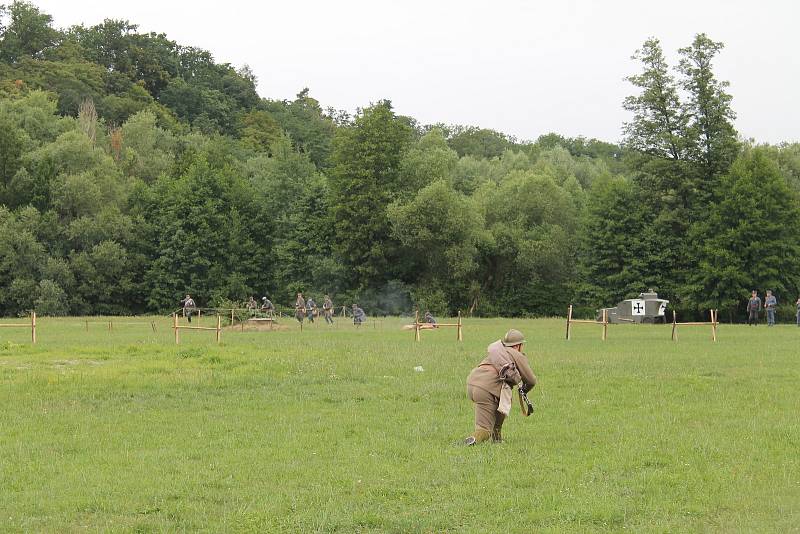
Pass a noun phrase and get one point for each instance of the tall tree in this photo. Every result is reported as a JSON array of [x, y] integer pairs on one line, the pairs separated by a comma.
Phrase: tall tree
[[29, 33], [364, 179], [710, 136], [659, 121], [749, 240]]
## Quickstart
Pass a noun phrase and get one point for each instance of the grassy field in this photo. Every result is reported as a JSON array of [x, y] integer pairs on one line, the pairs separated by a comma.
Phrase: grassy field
[[332, 430]]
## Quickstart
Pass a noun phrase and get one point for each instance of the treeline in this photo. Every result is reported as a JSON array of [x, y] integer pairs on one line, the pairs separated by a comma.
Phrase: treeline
[[134, 170]]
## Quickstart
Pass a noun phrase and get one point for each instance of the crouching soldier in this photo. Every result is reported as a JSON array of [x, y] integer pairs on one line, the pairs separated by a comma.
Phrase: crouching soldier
[[490, 384], [358, 315]]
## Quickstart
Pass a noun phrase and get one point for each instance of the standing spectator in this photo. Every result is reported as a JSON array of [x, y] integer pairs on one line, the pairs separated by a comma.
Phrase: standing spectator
[[798, 310], [189, 307], [770, 303], [327, 309], [753, 307]]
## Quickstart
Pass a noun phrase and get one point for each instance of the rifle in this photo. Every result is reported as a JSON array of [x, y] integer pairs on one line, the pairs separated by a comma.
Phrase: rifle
[[524, 403]]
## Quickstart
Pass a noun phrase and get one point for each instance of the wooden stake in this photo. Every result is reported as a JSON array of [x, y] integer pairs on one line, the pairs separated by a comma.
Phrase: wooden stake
[[713, 324], [219, 327], [175, 328], [605, 324], [674, 327], [416, 325], [460, 335], [569, 318], [33, 327]]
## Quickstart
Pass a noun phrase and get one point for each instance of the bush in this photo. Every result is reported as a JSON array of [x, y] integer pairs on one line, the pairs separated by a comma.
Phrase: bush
[[51, 299]]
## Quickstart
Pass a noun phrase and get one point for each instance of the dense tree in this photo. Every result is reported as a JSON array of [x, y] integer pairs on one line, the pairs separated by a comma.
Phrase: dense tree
[[710, 137], [749, 239], [440, 230], [364, 179], [184, 179], [480, 142], [29, 33], [659, 121]]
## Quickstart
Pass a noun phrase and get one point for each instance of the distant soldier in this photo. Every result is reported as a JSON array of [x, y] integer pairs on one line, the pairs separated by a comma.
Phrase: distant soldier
[[797, 304], [311, 308], [429, 318], [267, 307], [490, 384], [358, 315], [189, 307], [252, 306], [300, 308], [753, 307], [327, 309], [770, 303]]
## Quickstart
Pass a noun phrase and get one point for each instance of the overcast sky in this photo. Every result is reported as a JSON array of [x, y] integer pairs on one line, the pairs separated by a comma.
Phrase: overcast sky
[[521, 67]]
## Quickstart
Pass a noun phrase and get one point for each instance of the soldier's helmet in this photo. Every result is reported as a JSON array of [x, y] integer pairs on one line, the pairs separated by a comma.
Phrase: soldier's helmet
[[513, 337]]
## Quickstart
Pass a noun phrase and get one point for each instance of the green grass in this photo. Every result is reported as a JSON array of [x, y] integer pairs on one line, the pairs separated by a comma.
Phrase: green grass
[[332, 430]]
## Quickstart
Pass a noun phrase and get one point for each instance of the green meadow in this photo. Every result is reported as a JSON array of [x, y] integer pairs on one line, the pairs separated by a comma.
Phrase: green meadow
[[333, 430]]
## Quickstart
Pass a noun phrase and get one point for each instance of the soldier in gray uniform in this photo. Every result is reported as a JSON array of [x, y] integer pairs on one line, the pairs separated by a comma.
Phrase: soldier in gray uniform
[[311, 308], [429, 318], [189, 307], [798, 310], [267, 307], [770, 303], [358, 315], [753, 307]]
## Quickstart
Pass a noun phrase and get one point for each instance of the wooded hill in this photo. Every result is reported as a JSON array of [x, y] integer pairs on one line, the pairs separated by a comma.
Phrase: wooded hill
[[134, 169]]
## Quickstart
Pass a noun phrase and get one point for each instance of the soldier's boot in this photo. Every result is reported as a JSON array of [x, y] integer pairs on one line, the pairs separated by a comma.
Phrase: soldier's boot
[[477, 437], [496, 436]]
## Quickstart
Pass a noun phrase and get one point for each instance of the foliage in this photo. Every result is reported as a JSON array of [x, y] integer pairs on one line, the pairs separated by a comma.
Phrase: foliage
[[134, 169]]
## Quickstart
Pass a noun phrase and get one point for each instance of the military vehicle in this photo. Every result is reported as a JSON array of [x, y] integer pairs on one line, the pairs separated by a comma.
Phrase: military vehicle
[[647, 308]]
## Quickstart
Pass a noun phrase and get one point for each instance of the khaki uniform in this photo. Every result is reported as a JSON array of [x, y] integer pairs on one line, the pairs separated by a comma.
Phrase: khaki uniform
[[484, 384], [300, 309]]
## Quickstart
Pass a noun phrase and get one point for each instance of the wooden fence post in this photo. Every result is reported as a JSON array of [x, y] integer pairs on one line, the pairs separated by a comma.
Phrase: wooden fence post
[[569, 318], [416, 325], [33, 327], [605, 324], [175, 328], [674, 326], [460, 336], [219, 327], [713, 324]]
